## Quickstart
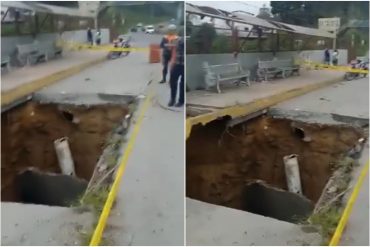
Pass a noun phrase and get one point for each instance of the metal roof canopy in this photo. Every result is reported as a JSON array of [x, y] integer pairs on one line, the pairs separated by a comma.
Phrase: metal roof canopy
[[45, 8], [251, 20]]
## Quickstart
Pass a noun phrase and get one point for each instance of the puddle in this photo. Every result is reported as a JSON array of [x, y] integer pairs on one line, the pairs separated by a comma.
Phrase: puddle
[[28, 135], [226, 166]]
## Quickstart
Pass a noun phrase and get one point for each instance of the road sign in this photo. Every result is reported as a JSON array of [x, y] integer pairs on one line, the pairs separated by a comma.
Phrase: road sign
[[329, 24]]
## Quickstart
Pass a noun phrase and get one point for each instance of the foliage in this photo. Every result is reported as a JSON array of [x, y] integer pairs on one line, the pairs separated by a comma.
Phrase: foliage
[[327, 220], [201, 40], [221, 44], [122, 18], [306, 13]]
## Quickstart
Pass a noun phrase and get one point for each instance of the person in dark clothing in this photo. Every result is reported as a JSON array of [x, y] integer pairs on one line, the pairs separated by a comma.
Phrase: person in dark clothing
[[167, 46], [327, 56], [177, 71], [89, 36]]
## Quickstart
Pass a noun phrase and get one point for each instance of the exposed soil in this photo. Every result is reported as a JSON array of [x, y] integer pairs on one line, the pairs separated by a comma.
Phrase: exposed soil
[[220, 163], [29, 131]]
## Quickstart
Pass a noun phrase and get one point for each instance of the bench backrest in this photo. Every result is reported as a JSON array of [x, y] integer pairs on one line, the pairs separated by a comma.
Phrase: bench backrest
[[28, 48], [232, 68], [275, 64]]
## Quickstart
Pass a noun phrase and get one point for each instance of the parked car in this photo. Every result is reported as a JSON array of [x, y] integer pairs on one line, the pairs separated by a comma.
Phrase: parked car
[[149, 29]]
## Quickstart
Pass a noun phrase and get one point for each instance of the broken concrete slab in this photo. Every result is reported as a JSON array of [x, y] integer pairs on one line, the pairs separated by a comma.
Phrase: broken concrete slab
[[262, 199], [209, 224], [49, 188], [28, 224]]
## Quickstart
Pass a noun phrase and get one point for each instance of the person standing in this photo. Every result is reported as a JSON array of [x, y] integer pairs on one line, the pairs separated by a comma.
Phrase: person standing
[[335, 57], [89, 36], [327, 56], [177, 71], [98, 37], [167, 45]]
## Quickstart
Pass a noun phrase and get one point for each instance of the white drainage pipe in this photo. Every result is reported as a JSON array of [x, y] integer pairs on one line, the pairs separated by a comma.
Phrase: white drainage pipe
[[292, 173], [64, 156]]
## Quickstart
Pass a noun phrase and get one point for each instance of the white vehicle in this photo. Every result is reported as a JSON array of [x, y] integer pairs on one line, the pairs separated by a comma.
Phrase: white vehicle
[[149, 29]]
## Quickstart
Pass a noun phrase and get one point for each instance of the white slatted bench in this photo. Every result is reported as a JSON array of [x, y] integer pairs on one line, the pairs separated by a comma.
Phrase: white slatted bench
[[31, 53], [268, 69], [216, 74]]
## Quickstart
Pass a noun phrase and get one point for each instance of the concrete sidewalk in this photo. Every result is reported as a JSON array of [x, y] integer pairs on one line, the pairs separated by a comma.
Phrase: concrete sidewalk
[[243, 95], [149, 207], [18, 85], [209, 224], [20, 76]]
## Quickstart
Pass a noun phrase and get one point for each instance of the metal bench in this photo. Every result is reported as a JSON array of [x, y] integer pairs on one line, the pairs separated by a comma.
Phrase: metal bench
[[5, 63], [53, 48], [268, 69], [215, 74], [31, 53]]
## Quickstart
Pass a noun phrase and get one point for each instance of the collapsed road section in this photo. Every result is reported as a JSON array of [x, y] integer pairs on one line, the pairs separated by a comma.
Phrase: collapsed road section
[[274, 165], [52, 152]]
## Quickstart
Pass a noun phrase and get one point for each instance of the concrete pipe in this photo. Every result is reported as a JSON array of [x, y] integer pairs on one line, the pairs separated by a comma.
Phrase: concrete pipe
[[292, 173], [64, 156]]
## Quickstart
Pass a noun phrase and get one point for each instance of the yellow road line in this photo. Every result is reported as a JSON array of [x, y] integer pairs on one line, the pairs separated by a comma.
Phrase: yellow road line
[[98, 232], [348, 209], [10, 96], [254, 106]]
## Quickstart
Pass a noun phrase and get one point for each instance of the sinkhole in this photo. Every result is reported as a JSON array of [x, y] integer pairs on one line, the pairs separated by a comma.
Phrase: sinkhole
[[30, 171], [242, 166]]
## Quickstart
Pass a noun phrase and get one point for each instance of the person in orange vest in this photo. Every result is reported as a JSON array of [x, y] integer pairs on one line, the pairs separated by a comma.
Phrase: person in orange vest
[[168, 45], [177, 72]]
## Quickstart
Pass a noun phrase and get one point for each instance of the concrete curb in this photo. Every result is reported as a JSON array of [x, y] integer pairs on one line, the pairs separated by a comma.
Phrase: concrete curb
[[256, 105], [33, 86]]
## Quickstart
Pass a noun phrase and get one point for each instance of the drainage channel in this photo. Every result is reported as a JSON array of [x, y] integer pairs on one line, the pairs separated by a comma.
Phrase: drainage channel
[[35, 140], [242, 166]]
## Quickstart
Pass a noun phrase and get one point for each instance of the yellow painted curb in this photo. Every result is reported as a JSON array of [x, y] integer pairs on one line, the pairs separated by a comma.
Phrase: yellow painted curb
[[254, 106], [33, 86], [99, 229], [348, 209]]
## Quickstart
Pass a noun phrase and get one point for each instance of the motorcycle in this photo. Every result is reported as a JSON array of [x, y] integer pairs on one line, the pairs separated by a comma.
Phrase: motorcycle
[[357, 64], [120, 43]]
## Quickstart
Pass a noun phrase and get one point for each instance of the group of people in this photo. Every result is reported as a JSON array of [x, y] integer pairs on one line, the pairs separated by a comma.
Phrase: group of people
[[172, 47], [90, 38], [334, 57]]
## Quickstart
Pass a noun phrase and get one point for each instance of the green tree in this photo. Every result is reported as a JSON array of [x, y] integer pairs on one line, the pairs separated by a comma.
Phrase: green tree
[[201, 39], [306, 13]]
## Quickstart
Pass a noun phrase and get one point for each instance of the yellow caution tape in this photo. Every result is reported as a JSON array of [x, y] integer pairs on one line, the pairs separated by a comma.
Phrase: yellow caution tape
[[332, 67], [81, 46]]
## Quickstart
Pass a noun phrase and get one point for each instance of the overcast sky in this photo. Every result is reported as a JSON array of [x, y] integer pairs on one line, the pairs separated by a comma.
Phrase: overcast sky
[[248, 6]]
